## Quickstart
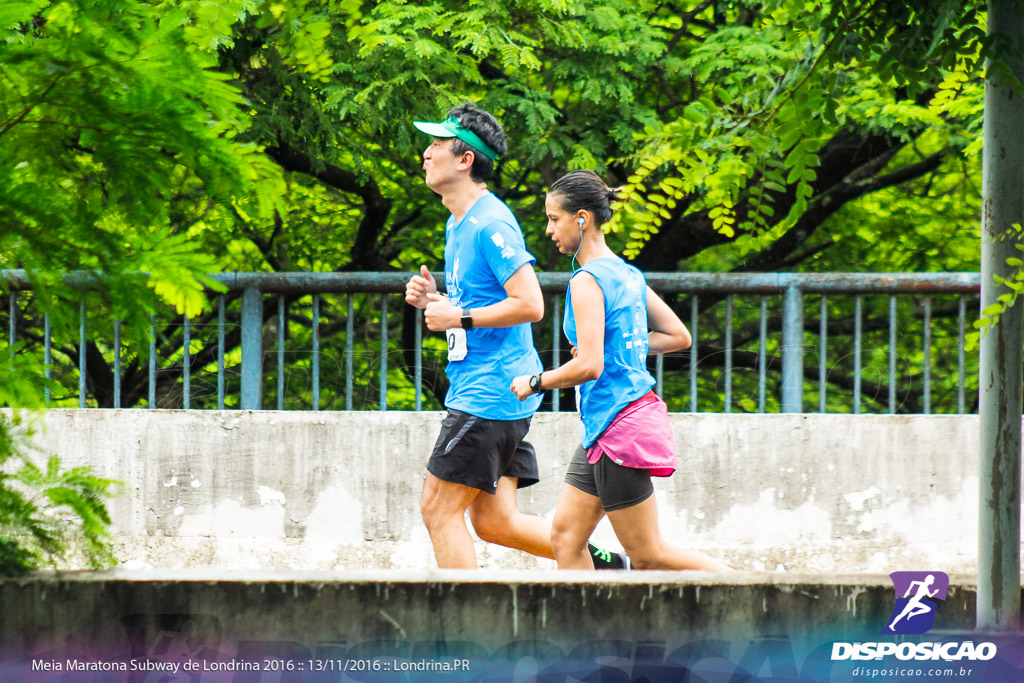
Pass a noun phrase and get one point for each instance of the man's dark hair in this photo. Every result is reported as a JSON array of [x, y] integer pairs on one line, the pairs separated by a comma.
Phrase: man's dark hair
[[488, 129]]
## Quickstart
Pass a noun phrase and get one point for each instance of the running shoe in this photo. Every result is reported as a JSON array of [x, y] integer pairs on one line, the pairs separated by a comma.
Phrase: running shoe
[[606, 559]]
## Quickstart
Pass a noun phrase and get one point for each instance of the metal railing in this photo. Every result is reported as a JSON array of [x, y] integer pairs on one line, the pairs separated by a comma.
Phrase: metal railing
[[748, 330]]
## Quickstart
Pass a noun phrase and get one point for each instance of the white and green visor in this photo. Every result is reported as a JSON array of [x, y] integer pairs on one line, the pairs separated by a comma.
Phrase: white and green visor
[[452, 128]]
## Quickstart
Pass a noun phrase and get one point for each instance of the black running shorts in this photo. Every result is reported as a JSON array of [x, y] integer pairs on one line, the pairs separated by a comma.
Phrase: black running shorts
[[477, 452], [617, 486]]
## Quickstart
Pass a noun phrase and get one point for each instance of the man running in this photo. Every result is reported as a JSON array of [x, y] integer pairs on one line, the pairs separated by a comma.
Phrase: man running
[[480, 458]]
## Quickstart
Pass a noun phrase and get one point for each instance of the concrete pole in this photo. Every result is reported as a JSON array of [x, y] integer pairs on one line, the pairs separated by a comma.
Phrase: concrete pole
[[1003, 345]]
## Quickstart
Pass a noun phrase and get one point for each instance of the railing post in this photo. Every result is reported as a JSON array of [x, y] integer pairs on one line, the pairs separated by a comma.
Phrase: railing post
[[792, 349], [252, 348]]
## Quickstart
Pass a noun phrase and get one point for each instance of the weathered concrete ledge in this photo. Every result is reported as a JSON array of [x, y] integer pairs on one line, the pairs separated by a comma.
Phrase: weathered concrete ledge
[[340, 490], [486, 610], [399, 626]]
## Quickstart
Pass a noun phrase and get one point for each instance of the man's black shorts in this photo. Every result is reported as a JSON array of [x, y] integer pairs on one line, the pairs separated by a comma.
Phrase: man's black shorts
[[477, 452], [617, 486]]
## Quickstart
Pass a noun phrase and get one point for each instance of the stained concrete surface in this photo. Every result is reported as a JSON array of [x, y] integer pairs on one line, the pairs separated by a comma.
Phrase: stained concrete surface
[[252, 490]]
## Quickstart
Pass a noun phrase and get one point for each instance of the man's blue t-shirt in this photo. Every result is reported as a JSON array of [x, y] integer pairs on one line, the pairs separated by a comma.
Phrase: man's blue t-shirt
[[480, 254], [625, 377]]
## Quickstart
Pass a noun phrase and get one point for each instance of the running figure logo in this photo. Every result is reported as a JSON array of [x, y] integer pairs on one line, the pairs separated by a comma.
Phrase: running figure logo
[[914, 611]]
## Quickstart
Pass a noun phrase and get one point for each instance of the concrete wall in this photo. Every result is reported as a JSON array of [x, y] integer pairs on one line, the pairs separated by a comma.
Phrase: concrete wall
[[335, 490], [336, 615]]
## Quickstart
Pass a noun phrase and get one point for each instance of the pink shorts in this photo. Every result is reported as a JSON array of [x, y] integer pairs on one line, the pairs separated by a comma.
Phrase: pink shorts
[[640, 437]]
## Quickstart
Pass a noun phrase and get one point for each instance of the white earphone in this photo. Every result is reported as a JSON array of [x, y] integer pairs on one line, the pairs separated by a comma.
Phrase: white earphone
[[581, 220]]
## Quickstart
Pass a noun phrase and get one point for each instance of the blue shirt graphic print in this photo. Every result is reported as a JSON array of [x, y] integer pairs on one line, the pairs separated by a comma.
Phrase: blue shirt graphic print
[[481, 253], [625, 377]]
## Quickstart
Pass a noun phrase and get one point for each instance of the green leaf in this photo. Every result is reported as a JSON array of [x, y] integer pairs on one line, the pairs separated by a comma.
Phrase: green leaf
[[14, 12], [991, 309], [694, 114]]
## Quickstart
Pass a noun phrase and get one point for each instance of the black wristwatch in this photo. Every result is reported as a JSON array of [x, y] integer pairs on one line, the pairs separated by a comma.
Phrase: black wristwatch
[[535, 383], [467, 319]]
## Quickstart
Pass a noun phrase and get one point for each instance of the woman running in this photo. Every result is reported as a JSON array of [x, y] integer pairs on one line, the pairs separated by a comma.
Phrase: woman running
[[613, 321]]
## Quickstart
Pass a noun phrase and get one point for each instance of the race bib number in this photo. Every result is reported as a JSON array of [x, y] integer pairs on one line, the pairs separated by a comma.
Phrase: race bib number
[[456, 343]]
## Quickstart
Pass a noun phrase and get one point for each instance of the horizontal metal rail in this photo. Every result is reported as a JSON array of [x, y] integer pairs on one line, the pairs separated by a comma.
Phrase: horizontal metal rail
[[704, 290], [665, 283]]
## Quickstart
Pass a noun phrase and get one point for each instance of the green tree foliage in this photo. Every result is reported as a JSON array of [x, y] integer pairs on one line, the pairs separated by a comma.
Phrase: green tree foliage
[[827, 137], [119, 144], [110, 115], [105, 117], [49, 516], [749, 136], [575, 85], [762, 154]]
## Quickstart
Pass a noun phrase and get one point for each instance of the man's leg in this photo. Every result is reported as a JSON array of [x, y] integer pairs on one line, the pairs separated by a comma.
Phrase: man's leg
[[576, 517], [443, 506], [496, 519]]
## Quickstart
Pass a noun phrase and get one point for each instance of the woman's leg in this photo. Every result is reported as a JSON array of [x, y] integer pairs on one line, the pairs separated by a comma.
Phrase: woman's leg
[[636, 527], [576, 517]]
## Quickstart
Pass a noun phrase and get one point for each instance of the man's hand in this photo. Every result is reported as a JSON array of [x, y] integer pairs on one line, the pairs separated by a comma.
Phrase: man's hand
[[417, 289], [440, 314], [521, 387]]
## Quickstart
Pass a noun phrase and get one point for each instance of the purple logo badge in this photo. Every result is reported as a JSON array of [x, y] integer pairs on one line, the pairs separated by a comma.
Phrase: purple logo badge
[[914, 611]]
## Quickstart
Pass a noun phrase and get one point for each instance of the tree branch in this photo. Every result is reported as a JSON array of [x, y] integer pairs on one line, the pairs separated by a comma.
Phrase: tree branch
[[365, 251], [859, 183], [835, 185]]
